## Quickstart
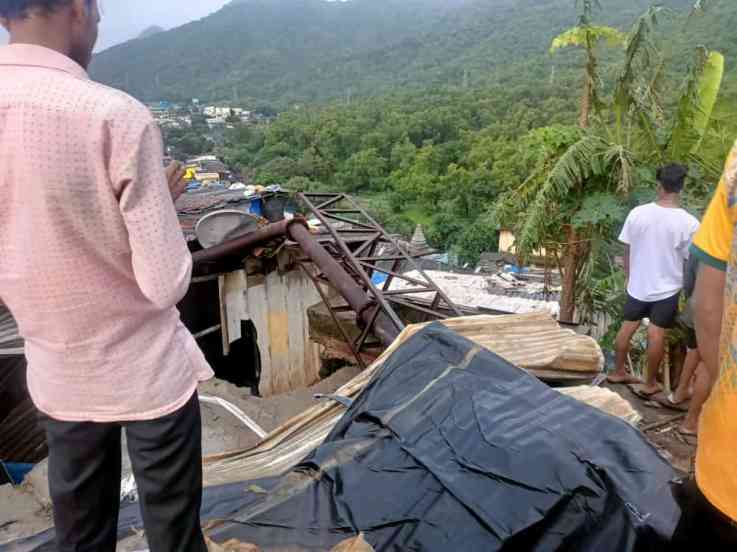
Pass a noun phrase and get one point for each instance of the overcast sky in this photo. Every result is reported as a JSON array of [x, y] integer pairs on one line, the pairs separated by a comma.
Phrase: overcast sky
[[126, 19]]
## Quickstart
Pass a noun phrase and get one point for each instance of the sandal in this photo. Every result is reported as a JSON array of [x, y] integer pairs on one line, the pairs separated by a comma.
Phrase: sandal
[[669, 402], [646, 395]]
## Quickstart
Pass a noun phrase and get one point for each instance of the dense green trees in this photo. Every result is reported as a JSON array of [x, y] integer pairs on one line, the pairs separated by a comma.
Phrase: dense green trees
[[439, 158], [465, 161]]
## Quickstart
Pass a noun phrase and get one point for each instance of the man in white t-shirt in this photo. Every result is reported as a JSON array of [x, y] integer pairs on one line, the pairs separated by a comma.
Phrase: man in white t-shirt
[[657, 237]]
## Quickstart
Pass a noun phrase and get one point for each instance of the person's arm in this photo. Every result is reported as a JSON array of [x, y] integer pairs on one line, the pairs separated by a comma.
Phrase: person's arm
[[162, 263], [626, 264], [711, 248], [708, 302]]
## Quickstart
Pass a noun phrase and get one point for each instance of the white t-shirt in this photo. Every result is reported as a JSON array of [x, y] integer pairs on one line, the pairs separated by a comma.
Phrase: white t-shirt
[[659, 238]]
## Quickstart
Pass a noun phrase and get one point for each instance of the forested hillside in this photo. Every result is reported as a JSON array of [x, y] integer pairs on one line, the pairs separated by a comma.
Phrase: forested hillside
[[300, 51], [548, 117], [517, 147], [251, 48]]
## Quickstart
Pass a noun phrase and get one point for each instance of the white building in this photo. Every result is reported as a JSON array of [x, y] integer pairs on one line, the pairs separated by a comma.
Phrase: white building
[[221, 112]]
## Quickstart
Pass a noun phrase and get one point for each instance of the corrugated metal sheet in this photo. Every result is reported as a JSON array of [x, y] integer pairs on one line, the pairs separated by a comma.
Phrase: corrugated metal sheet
[[22, 438], [526, 340], [10, 342]]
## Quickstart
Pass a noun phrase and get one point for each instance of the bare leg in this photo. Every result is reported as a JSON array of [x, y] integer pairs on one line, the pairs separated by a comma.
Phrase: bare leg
[[624, 337], [701, 390], [655, 353], [683, 391]]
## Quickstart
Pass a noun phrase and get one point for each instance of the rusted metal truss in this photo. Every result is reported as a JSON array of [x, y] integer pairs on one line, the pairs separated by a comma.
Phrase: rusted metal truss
[[350, 249], [364, 248]]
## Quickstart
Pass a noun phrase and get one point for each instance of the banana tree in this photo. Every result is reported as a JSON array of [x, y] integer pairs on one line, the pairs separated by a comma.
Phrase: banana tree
[[572, 198], [577, 166], [588, 36]]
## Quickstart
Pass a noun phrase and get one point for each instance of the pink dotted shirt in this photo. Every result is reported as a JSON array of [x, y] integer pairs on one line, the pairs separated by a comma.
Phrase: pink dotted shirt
[[92, 259]]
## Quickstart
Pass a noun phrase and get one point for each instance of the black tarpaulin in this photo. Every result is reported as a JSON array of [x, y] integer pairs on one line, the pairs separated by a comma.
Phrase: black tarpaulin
[[451, 448]]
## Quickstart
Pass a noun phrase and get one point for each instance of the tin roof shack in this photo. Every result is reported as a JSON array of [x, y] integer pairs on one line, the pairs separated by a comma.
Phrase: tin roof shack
[[248, 312], [251, 322], [350, 312]]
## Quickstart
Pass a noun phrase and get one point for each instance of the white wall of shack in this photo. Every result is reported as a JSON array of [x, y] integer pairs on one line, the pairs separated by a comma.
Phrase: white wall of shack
[[277, 305]]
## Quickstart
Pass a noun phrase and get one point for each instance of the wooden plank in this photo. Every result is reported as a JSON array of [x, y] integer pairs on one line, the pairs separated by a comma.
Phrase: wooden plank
[[208, 331], [298, 367], [313, 362], [236, 304], [223, 315], [258, 309], [278, 324]]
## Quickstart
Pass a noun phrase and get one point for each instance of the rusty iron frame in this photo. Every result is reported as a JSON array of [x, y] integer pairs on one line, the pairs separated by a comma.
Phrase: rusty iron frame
[[345, 256], [354, 242]]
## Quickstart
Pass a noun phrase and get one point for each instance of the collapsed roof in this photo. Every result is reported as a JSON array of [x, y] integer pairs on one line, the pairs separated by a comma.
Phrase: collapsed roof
[[440, 432]]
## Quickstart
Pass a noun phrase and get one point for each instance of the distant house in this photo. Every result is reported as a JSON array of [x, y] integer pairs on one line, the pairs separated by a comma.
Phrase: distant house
[[207, 178], [216, 122], [201, 159], [214, 165], [207, 168], [506, 244], [222, 112]]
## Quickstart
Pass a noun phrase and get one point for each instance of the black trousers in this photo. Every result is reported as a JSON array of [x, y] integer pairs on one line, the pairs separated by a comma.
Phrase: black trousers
[[702, 526], [85, 473]]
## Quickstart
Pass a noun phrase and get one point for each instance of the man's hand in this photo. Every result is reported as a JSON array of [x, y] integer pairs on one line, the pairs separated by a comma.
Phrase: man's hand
[[175, 176]]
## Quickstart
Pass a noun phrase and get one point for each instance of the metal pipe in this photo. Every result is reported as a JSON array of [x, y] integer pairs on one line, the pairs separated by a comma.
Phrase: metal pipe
[[297, 230], [346, 286], [246, 243], [386, 307], [336, 274]]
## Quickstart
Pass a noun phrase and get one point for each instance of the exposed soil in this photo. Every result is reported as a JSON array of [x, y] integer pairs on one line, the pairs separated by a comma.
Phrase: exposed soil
[[223, 432], [660, 427]]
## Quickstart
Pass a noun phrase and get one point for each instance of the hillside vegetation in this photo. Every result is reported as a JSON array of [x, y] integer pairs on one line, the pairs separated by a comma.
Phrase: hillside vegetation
[[286, 52], [519, 148], [457, 115]]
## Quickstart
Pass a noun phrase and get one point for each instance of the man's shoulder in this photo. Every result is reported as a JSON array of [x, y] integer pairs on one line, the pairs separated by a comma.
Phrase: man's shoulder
[[117, 105], [640, 209], [688, 218], [111, 104]]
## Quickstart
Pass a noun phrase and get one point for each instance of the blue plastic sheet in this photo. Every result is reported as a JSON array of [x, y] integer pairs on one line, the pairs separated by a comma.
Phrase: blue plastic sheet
[[16, 473]]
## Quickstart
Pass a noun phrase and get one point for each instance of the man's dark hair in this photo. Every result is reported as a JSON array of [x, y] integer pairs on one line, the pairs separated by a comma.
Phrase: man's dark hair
[[18, 9], [671, 178]]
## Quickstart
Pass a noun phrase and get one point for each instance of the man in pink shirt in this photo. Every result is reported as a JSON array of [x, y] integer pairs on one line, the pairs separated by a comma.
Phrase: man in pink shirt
[[92, 265]]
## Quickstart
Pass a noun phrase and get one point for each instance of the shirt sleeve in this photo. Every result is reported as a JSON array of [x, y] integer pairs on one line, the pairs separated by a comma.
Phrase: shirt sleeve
[[624, 235], [713, 241], [162, 263]]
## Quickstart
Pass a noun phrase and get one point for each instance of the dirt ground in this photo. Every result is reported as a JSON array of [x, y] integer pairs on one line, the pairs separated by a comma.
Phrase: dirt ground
[[222, 432], [659, 424]]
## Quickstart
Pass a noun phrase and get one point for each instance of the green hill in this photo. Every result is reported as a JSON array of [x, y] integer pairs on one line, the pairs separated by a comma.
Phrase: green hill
[[249, 47], [301, 51], [151, 31]]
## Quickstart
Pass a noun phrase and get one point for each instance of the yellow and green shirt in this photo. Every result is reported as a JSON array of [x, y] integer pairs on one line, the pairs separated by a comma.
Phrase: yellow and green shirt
[[715, 245]]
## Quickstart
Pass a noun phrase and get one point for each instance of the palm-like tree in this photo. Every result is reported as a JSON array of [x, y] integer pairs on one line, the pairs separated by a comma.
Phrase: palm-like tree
[[571, 195]]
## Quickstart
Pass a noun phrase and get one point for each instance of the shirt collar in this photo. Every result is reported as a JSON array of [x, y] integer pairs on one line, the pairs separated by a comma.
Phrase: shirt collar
[[31, 55]]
